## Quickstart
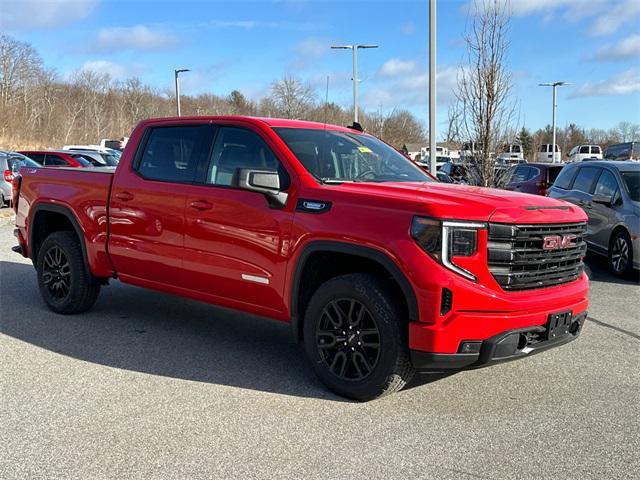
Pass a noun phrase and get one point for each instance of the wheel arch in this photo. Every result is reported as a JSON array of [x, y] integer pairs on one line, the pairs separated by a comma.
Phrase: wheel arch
[[45, 211], [368, 254]]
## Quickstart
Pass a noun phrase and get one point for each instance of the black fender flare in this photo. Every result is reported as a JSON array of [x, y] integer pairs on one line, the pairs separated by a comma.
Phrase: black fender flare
[[378, 256], [68, 213]]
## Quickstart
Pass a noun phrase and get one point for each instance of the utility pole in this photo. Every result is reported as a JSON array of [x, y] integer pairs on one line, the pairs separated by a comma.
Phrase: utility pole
[[354, 48], [432, 87], [177, 73], [553, 116]]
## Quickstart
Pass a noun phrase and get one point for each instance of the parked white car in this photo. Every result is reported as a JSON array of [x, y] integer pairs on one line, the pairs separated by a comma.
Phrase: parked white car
[[546, 154], [584, 152]]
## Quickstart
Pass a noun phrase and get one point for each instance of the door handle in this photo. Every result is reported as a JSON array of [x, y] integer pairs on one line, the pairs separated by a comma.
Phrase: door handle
[[124, 196], [201, 205]]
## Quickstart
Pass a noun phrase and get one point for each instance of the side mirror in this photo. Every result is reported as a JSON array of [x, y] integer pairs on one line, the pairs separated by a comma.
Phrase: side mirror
[[603, 199], [266, 182]]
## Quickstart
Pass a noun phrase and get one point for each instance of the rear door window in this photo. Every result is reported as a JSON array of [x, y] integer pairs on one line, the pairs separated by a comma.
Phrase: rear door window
[[172, 154], [37, 157], [533, 173], [595, 150], [585, 179], [520, 174], [55, 161]]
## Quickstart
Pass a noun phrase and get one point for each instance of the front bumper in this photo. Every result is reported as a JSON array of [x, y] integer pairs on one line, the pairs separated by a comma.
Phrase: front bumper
[[503, 347]]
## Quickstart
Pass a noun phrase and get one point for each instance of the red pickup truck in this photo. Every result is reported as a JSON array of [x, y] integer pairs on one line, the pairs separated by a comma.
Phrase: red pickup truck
[[380, 270]]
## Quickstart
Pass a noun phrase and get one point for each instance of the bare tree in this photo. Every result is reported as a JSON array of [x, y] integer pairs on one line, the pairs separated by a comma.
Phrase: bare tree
[[454, 123], [484, 87], [291, 97], [626, 131], [402, 127], [40, 109], [19, 64]]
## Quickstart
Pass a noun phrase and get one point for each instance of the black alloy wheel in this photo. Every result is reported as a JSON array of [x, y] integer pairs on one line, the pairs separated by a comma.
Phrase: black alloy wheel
[[56, 273], [355, 336], [65, 283], [621, 254], [348, 339]]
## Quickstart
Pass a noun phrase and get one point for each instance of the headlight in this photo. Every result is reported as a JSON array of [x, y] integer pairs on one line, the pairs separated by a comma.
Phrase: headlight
[[444, 240]]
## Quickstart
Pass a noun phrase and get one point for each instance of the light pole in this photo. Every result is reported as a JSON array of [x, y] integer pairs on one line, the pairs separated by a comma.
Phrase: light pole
[[354, 48], [433, 154], [553, 116], [177, 73]]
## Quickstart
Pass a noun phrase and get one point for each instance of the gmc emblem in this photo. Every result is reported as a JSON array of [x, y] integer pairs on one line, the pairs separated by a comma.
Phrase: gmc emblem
[[555, 242]]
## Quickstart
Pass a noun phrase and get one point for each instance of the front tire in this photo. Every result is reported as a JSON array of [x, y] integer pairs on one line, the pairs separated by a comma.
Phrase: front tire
[[64, 283], [355, 337], [621, 254]]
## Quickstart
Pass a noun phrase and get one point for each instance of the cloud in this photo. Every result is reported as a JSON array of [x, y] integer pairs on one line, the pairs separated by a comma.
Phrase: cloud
[[408, 28], [313, 48], [395, 67], [31, 14], [626, 11], [627, 48], [623, 83], [607, 16], [580, 7], [412, 88], [114, 70], [245, 24], [138, 37]]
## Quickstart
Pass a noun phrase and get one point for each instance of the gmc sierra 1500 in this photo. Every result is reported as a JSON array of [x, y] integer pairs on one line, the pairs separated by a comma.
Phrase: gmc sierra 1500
[[379, 269]]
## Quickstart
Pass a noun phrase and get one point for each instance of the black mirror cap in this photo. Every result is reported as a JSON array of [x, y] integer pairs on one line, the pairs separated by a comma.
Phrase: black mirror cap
[[266, 182], [603, 199]]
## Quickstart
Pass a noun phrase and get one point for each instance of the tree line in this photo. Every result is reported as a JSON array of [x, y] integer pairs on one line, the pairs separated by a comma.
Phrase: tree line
[[40, 109]]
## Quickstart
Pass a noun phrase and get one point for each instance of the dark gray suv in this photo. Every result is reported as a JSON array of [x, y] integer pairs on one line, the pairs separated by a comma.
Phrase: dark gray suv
[[609, 193]]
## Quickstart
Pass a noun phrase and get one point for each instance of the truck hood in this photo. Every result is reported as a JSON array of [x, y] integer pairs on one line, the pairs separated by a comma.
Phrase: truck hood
[[463, 202]]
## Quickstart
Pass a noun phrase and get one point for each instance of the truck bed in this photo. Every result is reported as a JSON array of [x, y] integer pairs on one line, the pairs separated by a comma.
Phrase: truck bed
[[79, 193]]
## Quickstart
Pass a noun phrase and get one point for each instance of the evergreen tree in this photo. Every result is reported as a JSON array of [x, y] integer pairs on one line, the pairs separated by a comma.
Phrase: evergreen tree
[[526, 141]]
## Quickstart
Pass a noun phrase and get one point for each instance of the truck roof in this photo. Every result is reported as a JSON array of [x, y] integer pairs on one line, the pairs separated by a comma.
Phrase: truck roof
[[271, 122]]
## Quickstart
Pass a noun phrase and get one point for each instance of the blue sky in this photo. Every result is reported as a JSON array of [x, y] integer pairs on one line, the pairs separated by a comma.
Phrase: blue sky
[[594, 44]]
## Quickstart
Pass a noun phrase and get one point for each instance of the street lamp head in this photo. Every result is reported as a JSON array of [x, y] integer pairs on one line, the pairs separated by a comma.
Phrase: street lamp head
[[554, 84], [345, 47], [182, 70], [367, 46]]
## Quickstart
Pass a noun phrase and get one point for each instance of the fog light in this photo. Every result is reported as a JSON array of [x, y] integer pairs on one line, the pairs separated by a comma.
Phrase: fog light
[[470, 347]]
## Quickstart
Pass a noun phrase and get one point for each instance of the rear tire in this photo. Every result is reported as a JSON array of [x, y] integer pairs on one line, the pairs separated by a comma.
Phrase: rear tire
[[621, 254], [65, 285], [355, 337]]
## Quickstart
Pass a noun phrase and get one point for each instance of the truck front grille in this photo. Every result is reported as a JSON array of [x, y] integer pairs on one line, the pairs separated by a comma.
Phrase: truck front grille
[[518, 261]]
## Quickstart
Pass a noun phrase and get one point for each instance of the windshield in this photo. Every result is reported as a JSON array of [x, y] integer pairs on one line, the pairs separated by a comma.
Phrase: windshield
[[335, 156], [632, 181]]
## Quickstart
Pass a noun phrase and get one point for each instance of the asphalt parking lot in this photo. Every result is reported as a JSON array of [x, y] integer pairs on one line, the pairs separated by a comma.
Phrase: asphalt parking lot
[[151, 386]]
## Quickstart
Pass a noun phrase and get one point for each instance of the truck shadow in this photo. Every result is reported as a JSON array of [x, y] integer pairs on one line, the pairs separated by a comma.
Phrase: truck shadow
[[140, 330]]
